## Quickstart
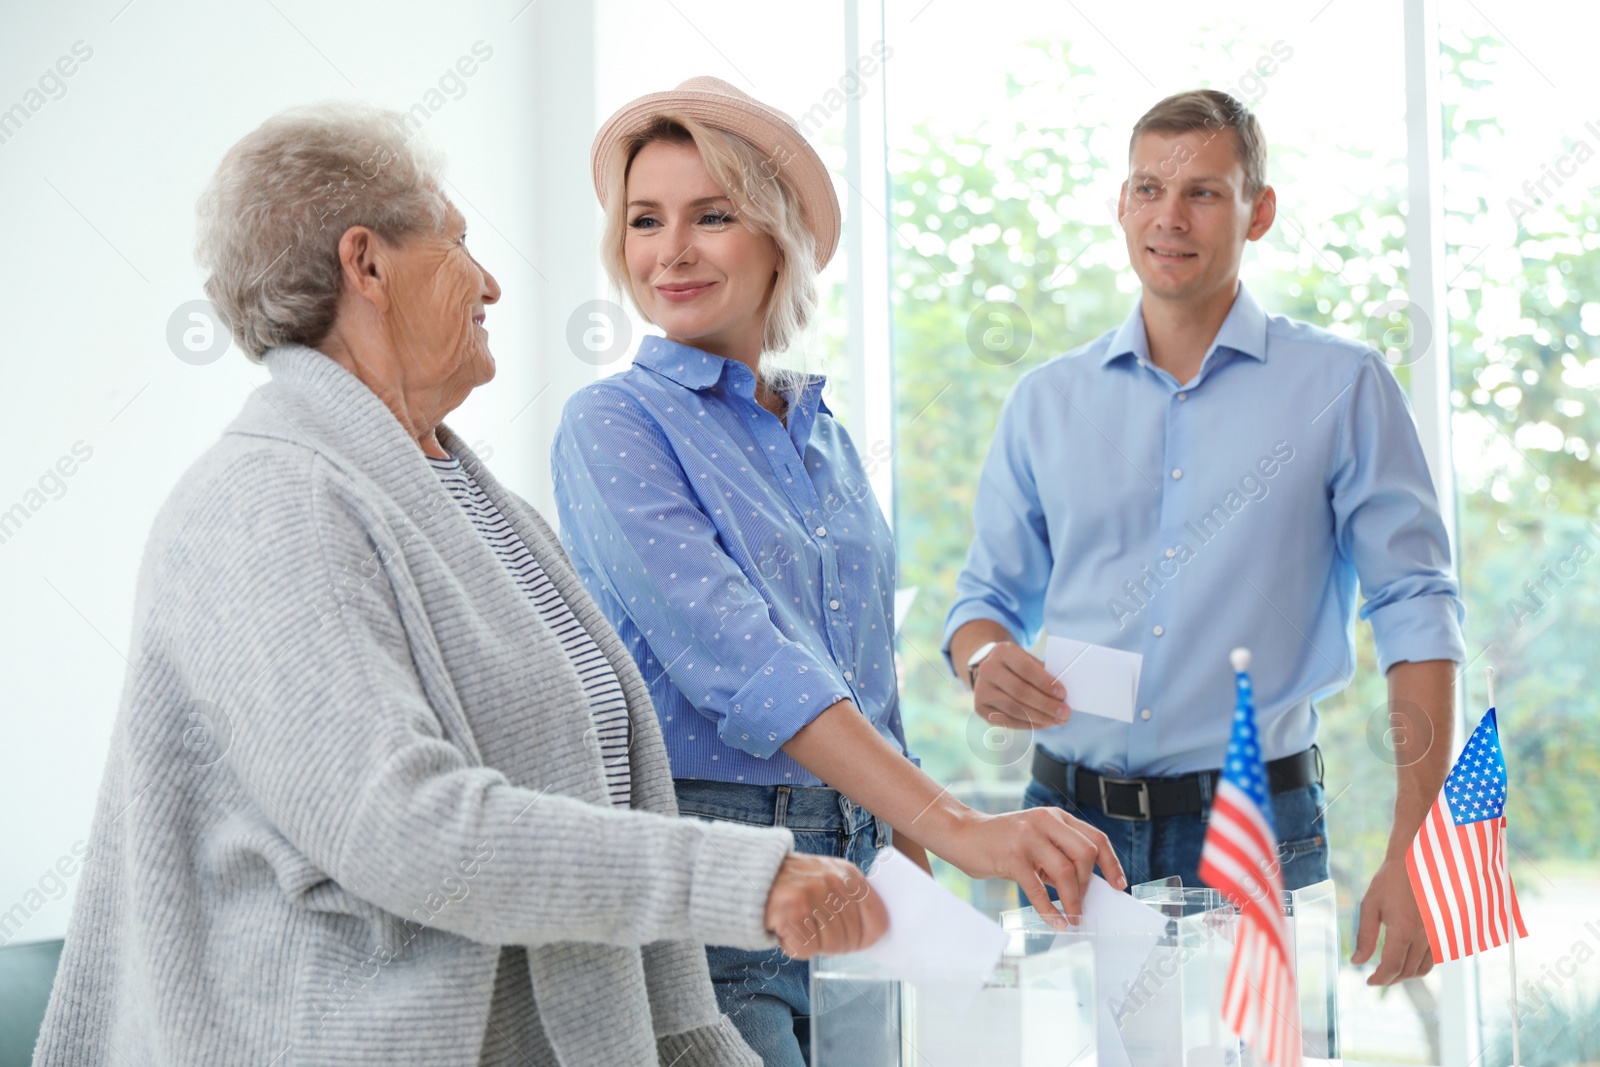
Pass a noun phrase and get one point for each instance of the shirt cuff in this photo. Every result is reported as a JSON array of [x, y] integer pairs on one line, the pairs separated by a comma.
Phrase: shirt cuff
[[782, 696], [1418, 629], [970, 610]]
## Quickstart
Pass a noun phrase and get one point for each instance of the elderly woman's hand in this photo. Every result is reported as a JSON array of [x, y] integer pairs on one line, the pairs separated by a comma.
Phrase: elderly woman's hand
[[819, 904]]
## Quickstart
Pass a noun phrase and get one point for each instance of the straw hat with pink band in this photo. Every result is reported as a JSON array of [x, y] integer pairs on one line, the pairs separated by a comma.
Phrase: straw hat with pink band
[[714, 103]]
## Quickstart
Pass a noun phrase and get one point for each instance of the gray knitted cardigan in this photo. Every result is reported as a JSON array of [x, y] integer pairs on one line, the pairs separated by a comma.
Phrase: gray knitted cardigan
[[351, 767]]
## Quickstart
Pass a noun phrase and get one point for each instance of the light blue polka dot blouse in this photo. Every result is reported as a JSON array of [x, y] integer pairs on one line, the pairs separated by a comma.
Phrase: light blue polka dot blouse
[[746, 564]]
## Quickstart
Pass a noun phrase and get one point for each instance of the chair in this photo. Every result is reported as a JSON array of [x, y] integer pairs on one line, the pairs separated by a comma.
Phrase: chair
[[26, 974]]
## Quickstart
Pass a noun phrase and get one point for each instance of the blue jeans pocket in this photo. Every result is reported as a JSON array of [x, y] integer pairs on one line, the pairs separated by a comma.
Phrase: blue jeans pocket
[[1303, 836], [1303, 861]]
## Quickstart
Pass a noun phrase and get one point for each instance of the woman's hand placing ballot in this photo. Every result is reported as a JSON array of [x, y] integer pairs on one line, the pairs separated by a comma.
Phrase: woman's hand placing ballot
[[1036, 848]]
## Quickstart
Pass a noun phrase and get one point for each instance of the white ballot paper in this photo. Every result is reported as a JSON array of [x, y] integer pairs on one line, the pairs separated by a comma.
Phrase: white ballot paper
[[1125, 932], [935, 938], [1099, 680]]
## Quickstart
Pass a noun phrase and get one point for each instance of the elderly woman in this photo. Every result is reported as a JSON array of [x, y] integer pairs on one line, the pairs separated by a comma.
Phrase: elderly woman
[[384, 786], [723, 520]]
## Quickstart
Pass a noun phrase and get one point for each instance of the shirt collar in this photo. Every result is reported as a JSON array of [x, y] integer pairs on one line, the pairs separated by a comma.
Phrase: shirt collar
[[689, 367], [1244, 331], [1130, 339], [701, 371]]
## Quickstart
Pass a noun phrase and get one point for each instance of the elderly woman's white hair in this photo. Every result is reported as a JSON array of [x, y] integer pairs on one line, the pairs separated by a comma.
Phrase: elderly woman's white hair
[[271, 219], [764, 200]]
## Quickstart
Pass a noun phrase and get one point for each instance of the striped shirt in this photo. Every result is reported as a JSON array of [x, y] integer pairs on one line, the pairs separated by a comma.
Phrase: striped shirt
[[606, 702]]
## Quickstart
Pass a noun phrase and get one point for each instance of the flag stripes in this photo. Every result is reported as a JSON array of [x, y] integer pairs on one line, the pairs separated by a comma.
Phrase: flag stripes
[[1239, 858], [1458, 875], [1457, 861]]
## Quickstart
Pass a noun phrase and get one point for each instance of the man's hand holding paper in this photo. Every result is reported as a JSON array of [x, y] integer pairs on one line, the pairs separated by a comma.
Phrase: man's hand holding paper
[[1012, 688], [1099, 680]]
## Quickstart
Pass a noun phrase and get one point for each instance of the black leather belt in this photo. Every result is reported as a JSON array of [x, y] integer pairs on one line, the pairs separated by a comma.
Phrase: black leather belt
[[1143, 799]]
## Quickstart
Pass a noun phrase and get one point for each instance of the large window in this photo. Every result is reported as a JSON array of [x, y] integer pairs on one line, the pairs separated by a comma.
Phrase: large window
[[1005, 253], [1522, 141]]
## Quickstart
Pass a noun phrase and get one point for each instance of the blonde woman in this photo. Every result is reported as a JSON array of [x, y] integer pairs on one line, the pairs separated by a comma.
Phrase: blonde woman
[[721, 517]]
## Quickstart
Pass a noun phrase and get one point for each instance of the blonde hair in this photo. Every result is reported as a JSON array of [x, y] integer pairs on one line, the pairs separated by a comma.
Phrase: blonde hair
[[764, 200], [272, 216]]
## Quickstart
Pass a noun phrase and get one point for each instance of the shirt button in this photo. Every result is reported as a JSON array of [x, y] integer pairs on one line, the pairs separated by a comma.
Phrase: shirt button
[[1157, 630], [1176, 473], [822, 531], [848, 676], [1183, 396], [1145, 715], [1171, 552], [833, 605]]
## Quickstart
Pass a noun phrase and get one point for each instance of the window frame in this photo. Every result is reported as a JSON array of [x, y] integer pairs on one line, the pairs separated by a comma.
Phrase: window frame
[[1460, 1038]]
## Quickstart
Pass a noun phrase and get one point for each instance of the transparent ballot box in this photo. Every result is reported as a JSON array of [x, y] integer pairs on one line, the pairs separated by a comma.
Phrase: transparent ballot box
[[1036, 1009], [1313, 927], [1159, 994], [1314, 940]]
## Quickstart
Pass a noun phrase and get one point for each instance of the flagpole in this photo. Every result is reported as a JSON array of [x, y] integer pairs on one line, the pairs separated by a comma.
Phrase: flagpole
[[1511, 920]]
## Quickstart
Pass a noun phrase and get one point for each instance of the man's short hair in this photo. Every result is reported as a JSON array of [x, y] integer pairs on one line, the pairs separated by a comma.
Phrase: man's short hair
[[1214, 110]]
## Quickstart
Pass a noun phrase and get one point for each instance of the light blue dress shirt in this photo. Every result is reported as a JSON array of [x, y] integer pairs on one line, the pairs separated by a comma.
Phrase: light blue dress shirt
[[1181, 520], [746, 564]]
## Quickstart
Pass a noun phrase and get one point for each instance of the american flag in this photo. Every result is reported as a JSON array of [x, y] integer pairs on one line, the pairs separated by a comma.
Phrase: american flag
[[1240, 858], [1458, 863]]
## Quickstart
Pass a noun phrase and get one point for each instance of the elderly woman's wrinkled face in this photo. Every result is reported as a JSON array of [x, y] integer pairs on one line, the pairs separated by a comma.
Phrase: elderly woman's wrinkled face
[[436, 311], [697, 271]]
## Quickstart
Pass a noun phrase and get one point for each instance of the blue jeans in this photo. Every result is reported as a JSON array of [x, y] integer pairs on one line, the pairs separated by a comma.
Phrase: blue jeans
[[1171, 845], [767, 994]]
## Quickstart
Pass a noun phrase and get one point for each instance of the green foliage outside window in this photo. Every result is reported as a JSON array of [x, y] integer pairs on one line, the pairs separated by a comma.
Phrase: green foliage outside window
[[1014, 215]]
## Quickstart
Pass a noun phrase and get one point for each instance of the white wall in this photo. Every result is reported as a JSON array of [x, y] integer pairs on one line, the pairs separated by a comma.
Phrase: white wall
[[98, 186]]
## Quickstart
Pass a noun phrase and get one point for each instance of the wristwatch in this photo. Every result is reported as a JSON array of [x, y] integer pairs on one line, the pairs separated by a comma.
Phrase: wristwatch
[[977, 658]]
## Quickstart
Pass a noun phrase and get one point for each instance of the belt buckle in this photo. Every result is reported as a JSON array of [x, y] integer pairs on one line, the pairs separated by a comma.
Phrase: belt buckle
[[1144, 798]]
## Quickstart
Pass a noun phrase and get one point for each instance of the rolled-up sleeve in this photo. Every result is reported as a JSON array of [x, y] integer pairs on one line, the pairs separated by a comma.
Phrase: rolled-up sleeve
[[1387, 524], [633, 524], [779, 697], [1009, 561]]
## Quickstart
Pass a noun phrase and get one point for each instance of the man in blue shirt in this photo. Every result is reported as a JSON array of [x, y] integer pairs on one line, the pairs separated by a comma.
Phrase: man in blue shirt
[[1206, 476]]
